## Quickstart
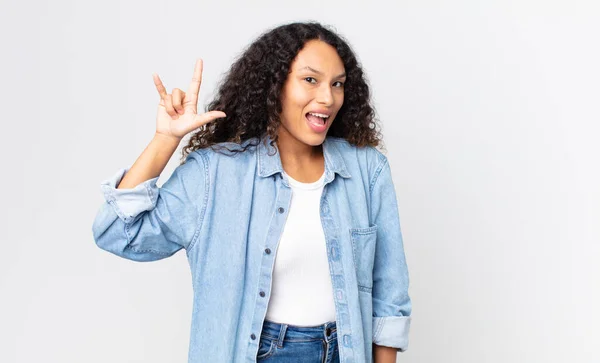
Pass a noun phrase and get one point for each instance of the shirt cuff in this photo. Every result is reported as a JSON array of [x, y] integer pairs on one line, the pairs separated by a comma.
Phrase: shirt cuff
[[391, 331], [128, 203]]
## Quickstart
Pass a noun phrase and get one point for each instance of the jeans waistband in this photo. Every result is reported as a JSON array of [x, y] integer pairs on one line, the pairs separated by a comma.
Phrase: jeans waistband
[[293, 333]]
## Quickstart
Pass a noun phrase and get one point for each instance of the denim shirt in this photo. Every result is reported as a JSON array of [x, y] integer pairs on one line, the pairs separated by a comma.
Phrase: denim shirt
[[228, 210]]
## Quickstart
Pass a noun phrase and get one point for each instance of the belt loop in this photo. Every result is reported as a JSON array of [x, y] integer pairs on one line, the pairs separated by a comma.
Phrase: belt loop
[[282, 331]]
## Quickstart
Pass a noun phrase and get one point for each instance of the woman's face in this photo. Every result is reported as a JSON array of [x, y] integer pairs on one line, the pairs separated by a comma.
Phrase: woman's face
[[312, 94]]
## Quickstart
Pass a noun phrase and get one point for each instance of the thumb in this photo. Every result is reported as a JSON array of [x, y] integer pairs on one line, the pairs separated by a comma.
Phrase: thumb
[[207, 117]]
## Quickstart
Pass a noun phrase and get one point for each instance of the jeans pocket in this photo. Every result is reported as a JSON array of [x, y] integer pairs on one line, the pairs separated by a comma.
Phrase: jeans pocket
[[363, 249], [266, 348]]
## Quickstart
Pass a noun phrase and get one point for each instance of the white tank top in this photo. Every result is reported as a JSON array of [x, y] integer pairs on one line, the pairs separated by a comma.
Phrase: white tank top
[[301, 291]]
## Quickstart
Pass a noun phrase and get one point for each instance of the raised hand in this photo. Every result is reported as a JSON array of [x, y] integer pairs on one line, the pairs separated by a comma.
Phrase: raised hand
[[177, 111]]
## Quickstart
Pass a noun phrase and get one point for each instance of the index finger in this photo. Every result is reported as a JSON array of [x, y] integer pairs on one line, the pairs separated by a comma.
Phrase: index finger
[[194, 89]]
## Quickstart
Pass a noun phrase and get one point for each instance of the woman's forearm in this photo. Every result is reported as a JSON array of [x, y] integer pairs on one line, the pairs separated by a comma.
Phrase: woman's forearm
[[151, 162], [383, 354]]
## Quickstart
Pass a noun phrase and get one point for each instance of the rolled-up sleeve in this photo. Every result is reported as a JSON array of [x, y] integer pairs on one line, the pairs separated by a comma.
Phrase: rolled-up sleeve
[[391, 302], [128, 203], [147, 222]]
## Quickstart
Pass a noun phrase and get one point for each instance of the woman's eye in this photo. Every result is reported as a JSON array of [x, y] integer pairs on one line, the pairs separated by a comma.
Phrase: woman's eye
[[340, 84], [310, 79]]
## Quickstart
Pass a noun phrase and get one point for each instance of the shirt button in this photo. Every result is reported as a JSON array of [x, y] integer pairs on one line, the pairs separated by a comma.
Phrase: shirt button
[[268, 251], [252, 336], [280, 210], [262, 294]]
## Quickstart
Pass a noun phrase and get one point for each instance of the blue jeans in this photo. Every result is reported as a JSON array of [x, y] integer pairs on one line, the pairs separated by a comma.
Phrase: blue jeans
[[283, 343]]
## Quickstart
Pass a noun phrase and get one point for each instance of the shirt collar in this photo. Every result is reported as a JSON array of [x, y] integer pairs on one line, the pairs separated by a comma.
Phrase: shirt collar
[[269, 161]]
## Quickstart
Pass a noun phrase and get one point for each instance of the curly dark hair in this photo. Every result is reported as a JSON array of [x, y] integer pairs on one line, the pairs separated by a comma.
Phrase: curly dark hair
[[250, 92]]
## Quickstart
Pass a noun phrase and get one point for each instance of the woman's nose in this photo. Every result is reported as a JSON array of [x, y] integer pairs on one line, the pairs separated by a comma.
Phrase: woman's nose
[[325, 96]]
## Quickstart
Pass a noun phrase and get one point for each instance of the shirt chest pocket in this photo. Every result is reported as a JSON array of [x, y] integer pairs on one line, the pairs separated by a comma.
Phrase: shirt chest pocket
[[363, 249]]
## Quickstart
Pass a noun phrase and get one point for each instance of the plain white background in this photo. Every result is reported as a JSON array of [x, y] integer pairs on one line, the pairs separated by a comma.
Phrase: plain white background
[[490, 113]]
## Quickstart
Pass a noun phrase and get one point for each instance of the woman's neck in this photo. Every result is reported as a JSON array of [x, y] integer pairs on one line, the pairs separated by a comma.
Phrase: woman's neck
[[305, 163]]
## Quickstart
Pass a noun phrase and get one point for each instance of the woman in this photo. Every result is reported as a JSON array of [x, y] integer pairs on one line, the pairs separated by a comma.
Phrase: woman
[[286, 210]]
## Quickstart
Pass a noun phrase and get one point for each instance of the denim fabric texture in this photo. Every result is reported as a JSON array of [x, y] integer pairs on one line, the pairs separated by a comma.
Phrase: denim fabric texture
[[283, 343], [227, 211]]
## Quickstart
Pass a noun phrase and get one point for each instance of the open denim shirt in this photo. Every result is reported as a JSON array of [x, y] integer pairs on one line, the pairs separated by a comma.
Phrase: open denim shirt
[[228, 211]]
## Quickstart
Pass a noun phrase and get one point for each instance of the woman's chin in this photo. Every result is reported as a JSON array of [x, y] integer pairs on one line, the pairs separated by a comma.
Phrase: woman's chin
[[306, 136]]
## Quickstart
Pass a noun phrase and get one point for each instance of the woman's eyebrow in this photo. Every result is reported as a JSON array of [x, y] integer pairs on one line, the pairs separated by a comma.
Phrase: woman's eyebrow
[[319, 72]]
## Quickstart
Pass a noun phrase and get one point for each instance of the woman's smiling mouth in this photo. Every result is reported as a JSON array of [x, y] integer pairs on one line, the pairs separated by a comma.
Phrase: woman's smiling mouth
[[317, 121]]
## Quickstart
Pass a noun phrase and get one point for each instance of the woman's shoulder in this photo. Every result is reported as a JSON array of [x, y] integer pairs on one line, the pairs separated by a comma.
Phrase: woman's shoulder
[[365, 161], [225, 154], [367, 153]]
